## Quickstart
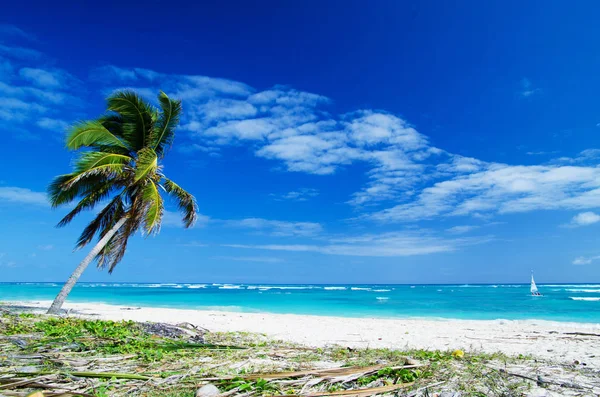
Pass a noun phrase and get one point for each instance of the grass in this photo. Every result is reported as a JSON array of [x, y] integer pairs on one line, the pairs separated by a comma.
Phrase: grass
[[175, 367]]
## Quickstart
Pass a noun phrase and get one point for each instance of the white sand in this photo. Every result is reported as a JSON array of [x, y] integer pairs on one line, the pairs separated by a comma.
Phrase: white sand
[[544, 339]]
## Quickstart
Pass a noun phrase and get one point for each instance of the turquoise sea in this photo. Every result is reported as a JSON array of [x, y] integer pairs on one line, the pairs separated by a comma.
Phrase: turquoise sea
[[561, 302]]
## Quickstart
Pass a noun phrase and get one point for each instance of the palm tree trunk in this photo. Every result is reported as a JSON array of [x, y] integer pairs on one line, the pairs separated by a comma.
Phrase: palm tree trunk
[[66, 289]]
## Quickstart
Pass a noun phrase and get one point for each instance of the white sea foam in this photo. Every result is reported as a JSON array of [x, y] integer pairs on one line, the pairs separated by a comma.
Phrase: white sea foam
[[229, 286], [382, 298], [571, 285], [381, 290], [583, 298], [196, 286], [360, 289], [335, 288], [583, 290]]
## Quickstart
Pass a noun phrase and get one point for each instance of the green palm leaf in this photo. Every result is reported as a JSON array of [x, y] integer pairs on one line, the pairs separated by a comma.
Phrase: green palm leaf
[[164, 130], [185, 202], [103, 222], [92, 160], [154, 208], [66, 188], [137, 117], [147, 164], [88, 202], [92, 133]]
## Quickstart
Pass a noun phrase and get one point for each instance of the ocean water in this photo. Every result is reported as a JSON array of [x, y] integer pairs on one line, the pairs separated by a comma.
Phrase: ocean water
[[561, 302]]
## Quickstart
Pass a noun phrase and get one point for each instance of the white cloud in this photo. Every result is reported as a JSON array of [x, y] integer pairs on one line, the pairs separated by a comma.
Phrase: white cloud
[[174, 219], [501, 188], [4, 263], [302, 194], [22, 196], [462, 229], [19, 53], [46, 247], [28, 91], [13, 31], [527, 89], [278, 228], [584, 219], [582, 260], [12, 109], [541, 153], [408, 175], [42, 78], [194, 244], [393, 244], [52, 124], [261, 259]]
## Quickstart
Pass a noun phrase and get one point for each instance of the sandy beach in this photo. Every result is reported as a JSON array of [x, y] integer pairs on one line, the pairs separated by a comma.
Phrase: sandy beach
[[564, 342]]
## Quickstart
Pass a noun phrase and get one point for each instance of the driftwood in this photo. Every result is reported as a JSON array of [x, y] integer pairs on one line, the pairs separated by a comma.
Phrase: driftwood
[[582, 334], [322, 373]]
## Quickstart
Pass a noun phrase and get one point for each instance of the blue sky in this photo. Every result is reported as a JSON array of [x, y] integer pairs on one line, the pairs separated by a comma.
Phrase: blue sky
[[326, 142]]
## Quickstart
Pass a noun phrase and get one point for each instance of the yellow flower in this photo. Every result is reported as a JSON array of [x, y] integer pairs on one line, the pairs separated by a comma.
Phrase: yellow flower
[[458, 354]]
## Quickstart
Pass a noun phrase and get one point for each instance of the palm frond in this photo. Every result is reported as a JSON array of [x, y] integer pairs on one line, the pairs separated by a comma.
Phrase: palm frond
[[88, 202], [120, 246], [91, 160], [66, 188], [185, 202], [146, 164], [103, 222], [137, 117], [105, 165], [154, 208], [103, 258], [92, 133], [164, 130]]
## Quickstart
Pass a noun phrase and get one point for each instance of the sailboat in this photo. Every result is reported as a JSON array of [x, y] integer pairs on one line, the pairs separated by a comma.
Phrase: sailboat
[[533, 288]]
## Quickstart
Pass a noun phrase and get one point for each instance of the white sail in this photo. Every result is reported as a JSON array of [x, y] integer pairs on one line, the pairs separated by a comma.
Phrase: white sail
[[534, 289]]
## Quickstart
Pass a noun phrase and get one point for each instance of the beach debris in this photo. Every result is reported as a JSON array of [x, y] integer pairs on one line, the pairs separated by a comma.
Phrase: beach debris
[[82, 357], [450, 394], [170, 331], [208, 390]]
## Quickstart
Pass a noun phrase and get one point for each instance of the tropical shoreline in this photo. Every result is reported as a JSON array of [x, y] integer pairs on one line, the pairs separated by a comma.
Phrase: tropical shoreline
[[551, 340]]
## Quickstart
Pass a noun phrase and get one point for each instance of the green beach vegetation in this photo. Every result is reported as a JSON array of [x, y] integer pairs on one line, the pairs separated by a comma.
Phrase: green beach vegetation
[[120, 167], [87, 357]]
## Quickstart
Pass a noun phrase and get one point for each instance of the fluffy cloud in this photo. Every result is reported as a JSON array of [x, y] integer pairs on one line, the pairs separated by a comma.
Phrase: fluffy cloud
[[392, 244], [48, 79], [583, 260], [260, 259], [22, 196], [52, 124], [412, 178], [584, 219], [31, 94], [527, 89], [278, 228], [173, 219], [501, 188], [297, 195], [462, 229]]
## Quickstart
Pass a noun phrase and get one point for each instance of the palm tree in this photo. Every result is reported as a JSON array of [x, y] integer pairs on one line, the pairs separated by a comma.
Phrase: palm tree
[[120, 169]]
